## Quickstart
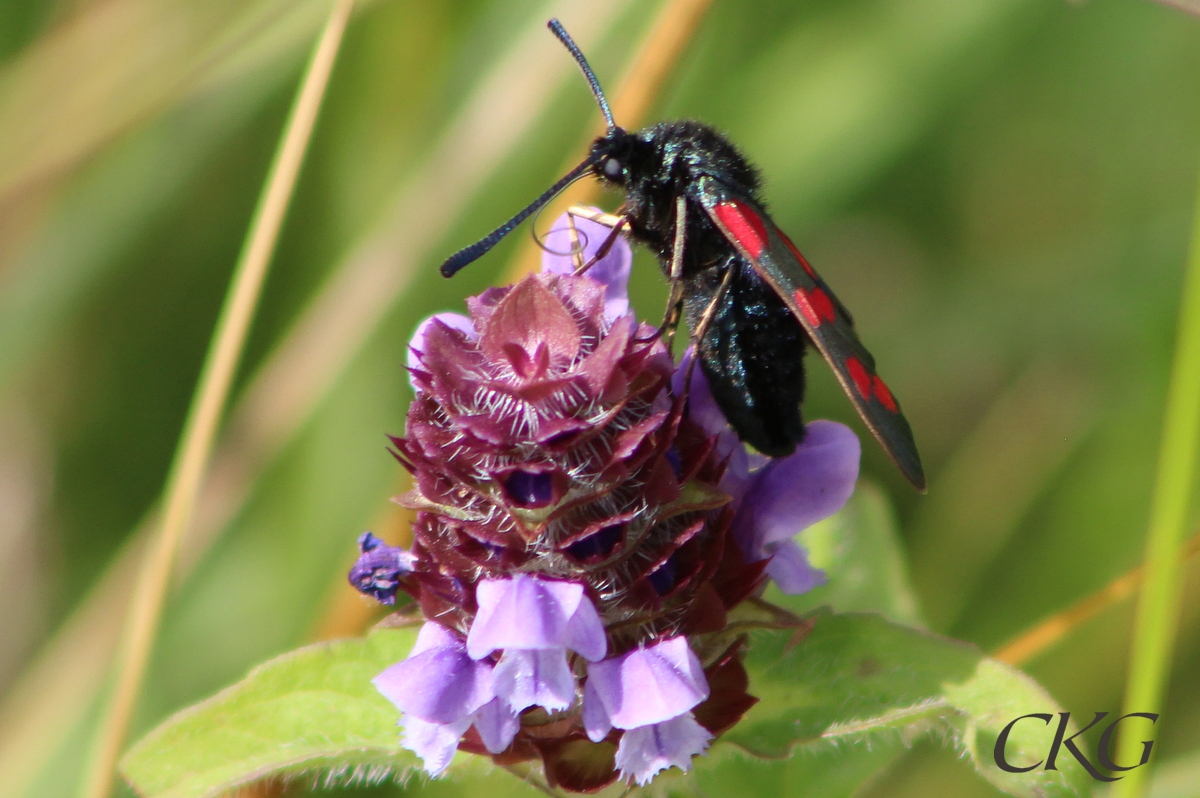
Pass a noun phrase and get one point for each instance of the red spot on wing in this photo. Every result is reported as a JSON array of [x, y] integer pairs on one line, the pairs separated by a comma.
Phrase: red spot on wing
[[816, 306], [796, 252], [744, 225], [860, 376], [880, 389], [868, 384]]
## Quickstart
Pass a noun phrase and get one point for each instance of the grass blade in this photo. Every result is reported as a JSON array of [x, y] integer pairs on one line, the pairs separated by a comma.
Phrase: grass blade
[[208, 405], [1156, 622], [1032, 642]]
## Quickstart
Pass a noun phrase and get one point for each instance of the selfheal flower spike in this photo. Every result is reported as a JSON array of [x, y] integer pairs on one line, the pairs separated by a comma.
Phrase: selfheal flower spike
[[584, 524]]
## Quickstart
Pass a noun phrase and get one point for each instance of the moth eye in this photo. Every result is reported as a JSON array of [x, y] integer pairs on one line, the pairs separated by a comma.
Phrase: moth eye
[[612, 168]]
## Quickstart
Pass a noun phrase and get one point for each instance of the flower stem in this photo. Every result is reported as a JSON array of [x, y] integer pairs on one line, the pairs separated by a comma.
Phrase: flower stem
[[208, 404], [1158, 604]]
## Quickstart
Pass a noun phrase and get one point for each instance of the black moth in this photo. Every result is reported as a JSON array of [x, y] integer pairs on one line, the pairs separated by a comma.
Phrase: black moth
[[751, 299]]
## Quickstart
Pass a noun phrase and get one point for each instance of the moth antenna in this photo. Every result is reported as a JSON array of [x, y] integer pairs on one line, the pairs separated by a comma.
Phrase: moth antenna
[[569, 43], [468, 254]]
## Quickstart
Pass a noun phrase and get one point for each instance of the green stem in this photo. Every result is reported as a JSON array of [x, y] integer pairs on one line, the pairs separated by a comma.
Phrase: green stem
[[1154, 629], [208, 406]]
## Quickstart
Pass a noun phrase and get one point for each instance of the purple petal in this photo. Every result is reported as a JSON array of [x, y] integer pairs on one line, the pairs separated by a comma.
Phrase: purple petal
[[645, 751], [435, 743], [434, 635], [585, 632], [416, 345], [794, 492], [529, 488], [531, 613], [497, 725], [439, 683], [526, 678], [596, 722], [612, 270], [791, 570], [646, 685]]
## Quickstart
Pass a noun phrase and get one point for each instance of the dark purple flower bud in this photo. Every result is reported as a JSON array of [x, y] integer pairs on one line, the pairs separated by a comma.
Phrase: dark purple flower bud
[[662, 579], [380, 568], [529, 488], [597, 545]]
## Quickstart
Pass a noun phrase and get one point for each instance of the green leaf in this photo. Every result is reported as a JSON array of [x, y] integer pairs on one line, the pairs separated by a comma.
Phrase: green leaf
[[861, 680], [860, 552], [828, 772], [311, 711]]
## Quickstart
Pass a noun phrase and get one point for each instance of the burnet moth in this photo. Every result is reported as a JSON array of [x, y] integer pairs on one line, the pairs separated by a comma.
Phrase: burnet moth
[[751, 299]]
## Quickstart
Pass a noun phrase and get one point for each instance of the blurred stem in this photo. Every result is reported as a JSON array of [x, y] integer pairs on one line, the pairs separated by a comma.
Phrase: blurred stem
[[640, 87], [1187, 6], [1034, 641], [1157, 616], [207, 408]]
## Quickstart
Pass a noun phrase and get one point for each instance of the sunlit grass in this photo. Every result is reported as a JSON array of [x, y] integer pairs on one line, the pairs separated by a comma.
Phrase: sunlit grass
[[1152, 648], [195, 446], [1000, 193]]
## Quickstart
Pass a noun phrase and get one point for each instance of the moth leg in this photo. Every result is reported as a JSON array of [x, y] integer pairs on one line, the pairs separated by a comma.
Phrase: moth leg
[[675, 296], [615, 222], [702, 326], [576, 249], [605, 246], [594, 215]]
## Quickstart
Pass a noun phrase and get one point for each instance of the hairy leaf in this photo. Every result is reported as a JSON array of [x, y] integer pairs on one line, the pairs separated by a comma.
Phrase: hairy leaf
[[828, 772], [858, 679], [311, 712]]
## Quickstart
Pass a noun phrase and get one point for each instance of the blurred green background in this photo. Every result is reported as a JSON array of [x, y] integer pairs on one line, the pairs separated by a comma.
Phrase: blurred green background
[[1000, 190]]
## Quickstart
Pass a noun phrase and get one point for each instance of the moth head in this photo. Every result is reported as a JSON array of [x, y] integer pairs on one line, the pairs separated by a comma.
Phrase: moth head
[[611, 156]]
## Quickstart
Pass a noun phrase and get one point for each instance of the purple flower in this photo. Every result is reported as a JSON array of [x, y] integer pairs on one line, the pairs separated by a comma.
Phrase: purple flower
[[777, 499], [442, 693], [649, 692], [704, 410], [379, 568], [793, 493], [535, 621], [646, 750]]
